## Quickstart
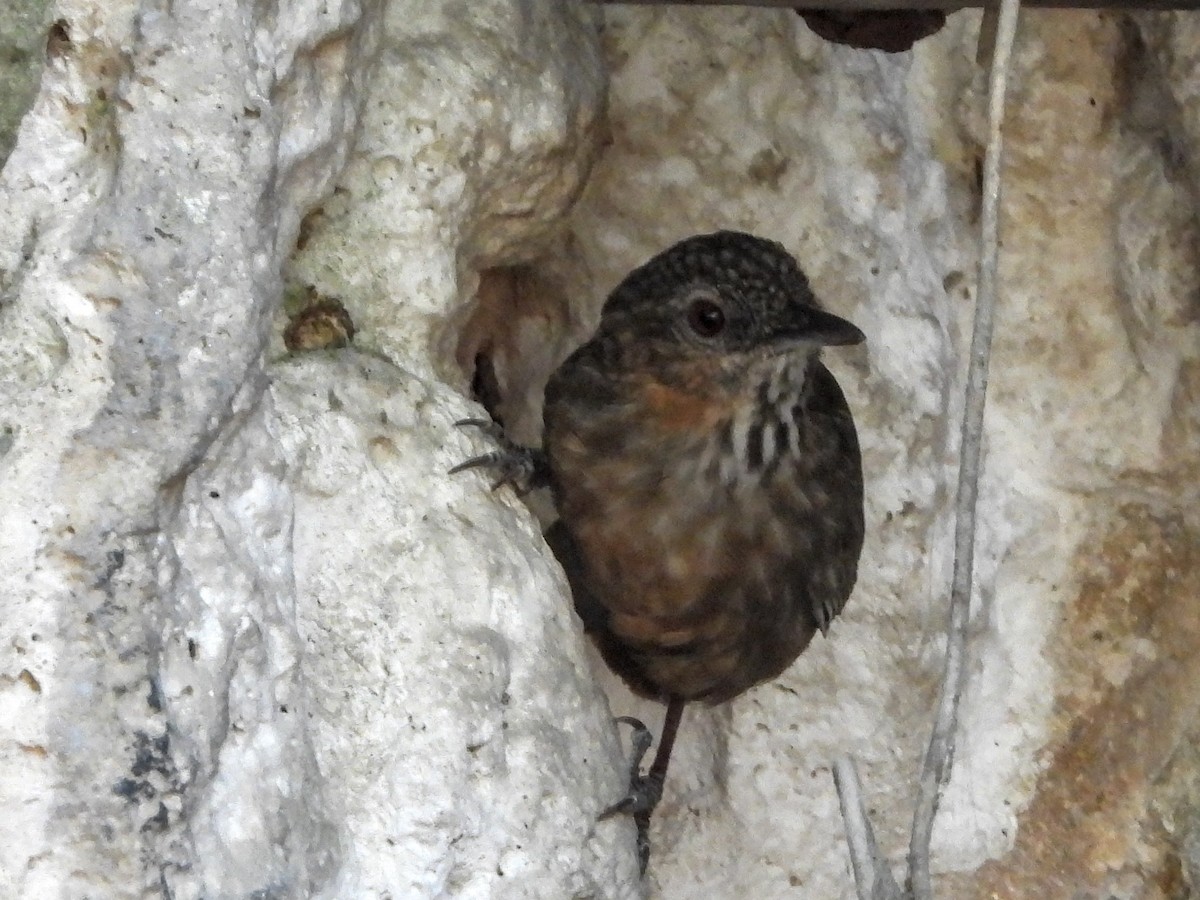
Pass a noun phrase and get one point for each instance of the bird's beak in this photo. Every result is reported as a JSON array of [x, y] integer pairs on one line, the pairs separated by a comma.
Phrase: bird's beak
[[815, 326]]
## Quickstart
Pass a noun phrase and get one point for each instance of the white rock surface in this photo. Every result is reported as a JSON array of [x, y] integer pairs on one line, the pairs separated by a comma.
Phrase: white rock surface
[[154, 191], [464, 744], [241, 656]]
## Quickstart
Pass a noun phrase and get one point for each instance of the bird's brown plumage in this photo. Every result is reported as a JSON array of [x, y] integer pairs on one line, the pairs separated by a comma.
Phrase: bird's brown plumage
[[709, 486]]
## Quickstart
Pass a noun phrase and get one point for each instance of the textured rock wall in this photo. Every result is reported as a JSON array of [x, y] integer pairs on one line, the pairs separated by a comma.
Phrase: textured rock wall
[[153, 194], [1100, 354], [255, 642], [22, 40]]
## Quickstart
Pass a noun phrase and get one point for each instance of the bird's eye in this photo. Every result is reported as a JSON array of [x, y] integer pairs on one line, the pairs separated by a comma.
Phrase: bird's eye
[[706, 318]]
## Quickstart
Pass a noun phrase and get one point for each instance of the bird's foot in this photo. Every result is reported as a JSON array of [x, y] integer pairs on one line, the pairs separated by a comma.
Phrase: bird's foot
[[644, 791], [522, 467]]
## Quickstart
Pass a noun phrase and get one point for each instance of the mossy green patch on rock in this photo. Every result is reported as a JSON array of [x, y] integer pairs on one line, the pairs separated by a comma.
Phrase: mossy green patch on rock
[[22, 35]]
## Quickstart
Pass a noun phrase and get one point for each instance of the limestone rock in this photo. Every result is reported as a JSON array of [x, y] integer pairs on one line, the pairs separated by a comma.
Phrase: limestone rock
[[189, 705]]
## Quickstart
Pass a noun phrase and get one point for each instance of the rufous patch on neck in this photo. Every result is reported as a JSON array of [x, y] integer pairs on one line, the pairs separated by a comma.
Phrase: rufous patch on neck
[[678, 409]]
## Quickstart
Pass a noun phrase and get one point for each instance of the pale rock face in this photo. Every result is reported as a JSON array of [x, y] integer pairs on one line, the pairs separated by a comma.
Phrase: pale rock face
[[464, 743], [256, 642], [22, 42], [213, 685], [149, 202]]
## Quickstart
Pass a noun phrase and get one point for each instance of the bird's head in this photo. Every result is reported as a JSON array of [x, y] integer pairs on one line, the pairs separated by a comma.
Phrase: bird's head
[[729, 297]]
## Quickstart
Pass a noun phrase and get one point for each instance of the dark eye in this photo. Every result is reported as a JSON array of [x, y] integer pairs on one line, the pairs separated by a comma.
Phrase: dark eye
[[706, 318]]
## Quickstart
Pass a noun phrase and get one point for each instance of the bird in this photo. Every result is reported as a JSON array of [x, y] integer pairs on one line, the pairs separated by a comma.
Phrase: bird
[[706, 473]]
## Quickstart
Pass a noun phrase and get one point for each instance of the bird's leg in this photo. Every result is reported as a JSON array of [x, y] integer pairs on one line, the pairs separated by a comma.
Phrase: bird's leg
[[646, 790], [523, 467]]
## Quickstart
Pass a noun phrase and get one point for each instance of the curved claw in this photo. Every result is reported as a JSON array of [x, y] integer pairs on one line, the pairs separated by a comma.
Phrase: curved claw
[[521, 467], [644, 793], [644, 790], [640, 742], [484, 460], [633, 722], [487, 426]]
